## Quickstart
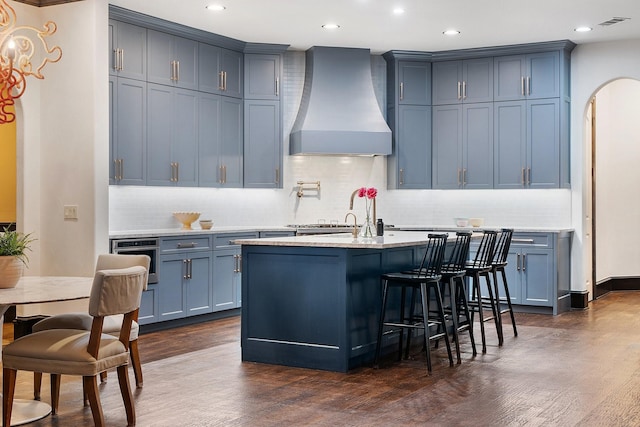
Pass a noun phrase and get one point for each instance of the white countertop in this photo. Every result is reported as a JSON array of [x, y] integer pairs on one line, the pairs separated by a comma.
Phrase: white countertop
[[128, 234], [391, 239]]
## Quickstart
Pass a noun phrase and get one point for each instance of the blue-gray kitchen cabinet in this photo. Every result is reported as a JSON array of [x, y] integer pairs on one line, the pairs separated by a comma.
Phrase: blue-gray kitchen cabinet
[[172, 60], [184, 277], [527, 144], [530, 76], [262, 144], [220, 70], [227, 265], [414, 83], [262, 76], [148, 312], [220, 141], [463, 146], [127, 131], [127, 50], [172, 126], [464, 81]]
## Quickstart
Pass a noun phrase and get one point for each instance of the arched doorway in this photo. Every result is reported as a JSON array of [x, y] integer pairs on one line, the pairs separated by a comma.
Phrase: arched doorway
[[614, 131]]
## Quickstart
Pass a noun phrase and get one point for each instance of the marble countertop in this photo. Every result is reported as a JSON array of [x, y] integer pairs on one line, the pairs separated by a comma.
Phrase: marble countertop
[[41, 289]]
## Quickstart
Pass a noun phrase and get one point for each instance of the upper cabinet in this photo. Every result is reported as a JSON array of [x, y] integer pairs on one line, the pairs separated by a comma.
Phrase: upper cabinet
[[262, 76], [127, 50], [172, 60], [414, 83], [220, 71], [467, 81], [531, 76]]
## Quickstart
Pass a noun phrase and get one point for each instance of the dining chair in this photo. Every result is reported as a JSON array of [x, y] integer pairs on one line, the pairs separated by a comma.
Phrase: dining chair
[[85, 353], [111, 324], [423, 280], [498, 265]]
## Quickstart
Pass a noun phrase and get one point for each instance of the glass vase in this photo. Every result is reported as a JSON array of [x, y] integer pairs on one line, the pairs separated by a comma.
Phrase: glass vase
[[368, 229]]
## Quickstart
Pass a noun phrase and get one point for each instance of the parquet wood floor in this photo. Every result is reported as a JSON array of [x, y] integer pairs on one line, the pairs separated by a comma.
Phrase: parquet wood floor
[[580, 368]]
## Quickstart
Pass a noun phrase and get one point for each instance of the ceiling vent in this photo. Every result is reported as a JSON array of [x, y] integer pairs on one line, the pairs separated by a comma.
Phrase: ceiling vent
[[612, 21]]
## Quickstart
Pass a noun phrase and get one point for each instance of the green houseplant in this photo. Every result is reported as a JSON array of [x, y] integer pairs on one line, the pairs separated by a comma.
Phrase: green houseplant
[[13, 256]]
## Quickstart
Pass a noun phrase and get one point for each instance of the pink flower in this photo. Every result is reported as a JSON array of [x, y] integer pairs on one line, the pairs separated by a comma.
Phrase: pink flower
[[369, 193]]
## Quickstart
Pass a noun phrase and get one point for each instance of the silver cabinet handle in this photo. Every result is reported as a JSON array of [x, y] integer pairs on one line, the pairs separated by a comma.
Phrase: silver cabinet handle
[[459, 171], [116, 59], [187, 245], [523, 179], [224, 80], [277, 86], [121, 65], [464, 177], [220, 85], [235, 263], [522, 90], [177, 168], [277, 175], [173, 71], [464, 90], [530, 241], [524, 262], [185, 263], [528, 176], [459, 91], [401, 91], [225, 173], [401, 180], [517, 262], [529, 85], [239, 263]]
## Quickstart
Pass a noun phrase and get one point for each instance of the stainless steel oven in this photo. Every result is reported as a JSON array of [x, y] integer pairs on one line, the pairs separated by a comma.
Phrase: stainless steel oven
[[139, 246]]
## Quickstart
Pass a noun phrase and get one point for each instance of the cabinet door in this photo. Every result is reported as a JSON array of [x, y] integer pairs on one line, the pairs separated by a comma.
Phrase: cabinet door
[[171, 297], [447, 82], [231, 64], [184, 146], [447, 146], [160, 57], [262, 76], [543, 143], [262, 144], [209, 79], [509, 75], [149, 306], [208, 140], [225, 265], [510, 120], [127, 50], [186, 55], [199, 295], [477, 78], [415, 82], [113, 127], [514, 277], [413, 146], [538, 276], [231, 141], [477, 145], [129, 132], [544, 75], [160, 130]]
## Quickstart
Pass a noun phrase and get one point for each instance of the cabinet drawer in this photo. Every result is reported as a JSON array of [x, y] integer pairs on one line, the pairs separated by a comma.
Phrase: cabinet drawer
[[224, 240], [265, 234], [198, 243], [532, 239]]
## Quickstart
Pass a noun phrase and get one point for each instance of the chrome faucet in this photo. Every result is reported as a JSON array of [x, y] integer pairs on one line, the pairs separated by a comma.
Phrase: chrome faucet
[[353, 195], [355, 224]]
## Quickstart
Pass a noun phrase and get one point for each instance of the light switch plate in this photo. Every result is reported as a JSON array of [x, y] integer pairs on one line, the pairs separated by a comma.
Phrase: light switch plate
[[70, 211]]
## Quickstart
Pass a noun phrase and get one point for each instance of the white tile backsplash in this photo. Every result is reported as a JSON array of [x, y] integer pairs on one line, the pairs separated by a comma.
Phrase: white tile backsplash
[[141, 208]]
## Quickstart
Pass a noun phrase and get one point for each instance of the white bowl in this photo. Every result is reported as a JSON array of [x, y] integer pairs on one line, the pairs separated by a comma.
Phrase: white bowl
[[186, 218], [461, 222], [206, 224], [476, 222]]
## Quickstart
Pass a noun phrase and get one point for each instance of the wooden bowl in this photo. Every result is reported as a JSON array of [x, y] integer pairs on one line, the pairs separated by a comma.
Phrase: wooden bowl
[[186, 218]]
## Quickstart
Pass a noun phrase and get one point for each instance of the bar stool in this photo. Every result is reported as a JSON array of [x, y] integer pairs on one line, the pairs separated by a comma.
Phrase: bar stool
[[498, 266], [425, 279], [480, 266], [453, 272]]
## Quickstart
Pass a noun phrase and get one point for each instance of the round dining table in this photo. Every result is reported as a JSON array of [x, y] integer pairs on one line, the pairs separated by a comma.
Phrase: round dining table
[[37, 290]]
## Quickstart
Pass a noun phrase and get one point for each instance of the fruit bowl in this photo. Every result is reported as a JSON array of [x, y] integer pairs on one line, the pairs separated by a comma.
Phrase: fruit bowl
[[186, 218]]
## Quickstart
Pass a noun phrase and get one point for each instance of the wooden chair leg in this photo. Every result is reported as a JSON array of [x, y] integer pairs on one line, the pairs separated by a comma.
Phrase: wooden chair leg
[[125, 390], [135, 362], [8, 389], [55, 392], [103, 377], [37, 385], [90, 384]]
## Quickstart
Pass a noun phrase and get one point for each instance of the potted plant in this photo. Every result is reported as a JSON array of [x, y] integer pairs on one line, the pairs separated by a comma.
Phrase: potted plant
[[13, 256]]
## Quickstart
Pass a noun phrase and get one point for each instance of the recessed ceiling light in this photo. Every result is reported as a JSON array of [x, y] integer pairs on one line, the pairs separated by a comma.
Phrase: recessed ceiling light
[[216, 7], [451, 32], [583, 29], [331, 26], [398, 11]]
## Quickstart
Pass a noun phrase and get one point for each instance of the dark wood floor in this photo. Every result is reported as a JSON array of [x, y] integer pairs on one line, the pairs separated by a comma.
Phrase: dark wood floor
[[580, 368]]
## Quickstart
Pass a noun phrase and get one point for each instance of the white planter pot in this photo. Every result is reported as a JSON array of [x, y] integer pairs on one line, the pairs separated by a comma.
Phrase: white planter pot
[[11, 269]]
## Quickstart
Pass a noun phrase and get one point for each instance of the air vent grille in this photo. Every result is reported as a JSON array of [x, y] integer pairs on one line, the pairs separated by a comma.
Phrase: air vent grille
[[612, 21]]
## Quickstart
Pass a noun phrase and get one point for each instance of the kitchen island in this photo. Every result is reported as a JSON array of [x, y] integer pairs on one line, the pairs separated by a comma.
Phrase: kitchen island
[[314, 301]]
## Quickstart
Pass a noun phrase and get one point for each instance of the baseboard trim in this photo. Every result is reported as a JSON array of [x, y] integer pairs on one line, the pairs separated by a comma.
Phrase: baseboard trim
[[160, 326], [616, 284]]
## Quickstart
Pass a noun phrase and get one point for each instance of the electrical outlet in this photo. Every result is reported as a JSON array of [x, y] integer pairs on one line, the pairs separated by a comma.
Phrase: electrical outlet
[[70, 211]]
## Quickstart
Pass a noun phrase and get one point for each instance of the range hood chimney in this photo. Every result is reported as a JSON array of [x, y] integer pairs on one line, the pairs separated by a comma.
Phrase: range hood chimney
[[339, 113]]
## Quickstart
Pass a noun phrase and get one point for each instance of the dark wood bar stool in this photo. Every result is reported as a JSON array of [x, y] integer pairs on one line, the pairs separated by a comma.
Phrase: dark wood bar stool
[[480, 266], [425, 279], [452, 285], [498, 266]]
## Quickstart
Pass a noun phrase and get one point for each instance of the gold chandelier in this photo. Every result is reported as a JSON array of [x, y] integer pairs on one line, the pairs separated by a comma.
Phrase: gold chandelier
[[20, 57]]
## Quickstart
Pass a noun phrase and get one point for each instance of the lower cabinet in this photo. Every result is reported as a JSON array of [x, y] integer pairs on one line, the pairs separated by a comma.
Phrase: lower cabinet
[[184, 278], [227, 279], [148, 312]]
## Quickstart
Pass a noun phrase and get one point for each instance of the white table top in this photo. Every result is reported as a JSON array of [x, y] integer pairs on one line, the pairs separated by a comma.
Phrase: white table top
[[41, 289]]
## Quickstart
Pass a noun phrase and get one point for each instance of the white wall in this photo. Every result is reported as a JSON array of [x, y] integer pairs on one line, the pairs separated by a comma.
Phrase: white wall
[[617, 174]]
